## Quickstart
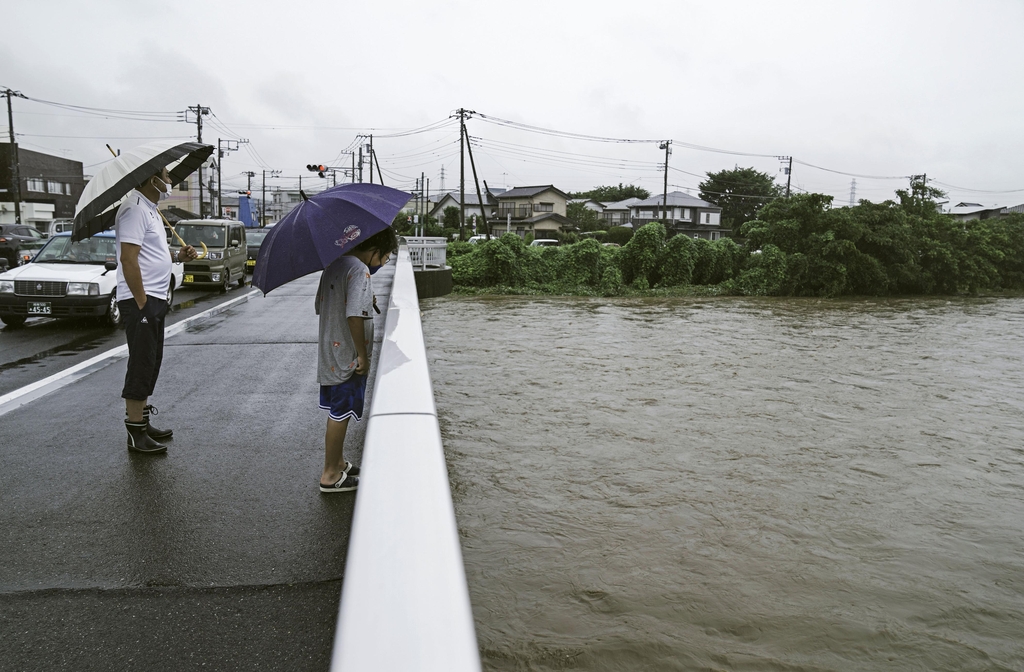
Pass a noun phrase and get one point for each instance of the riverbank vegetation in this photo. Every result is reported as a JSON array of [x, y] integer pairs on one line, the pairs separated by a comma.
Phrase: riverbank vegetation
[[797, 246]]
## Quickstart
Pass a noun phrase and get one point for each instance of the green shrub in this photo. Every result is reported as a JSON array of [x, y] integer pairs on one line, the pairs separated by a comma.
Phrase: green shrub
[[676, 262], [767, 274], [619, 235], [638, 259]]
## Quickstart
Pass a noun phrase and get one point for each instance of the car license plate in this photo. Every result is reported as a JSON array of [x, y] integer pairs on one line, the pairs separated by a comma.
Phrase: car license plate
[[188, 278], [39, 309]]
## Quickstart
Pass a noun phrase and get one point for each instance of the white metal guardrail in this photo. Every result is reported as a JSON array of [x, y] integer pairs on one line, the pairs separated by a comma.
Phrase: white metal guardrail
[[427, 252], [405, 603]]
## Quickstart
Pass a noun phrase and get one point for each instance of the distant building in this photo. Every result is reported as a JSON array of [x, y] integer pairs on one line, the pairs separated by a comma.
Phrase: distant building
[[50, 187], [451, 200], [965, 211], [589, 204], [683, 214], [537, 210], [617, 213]]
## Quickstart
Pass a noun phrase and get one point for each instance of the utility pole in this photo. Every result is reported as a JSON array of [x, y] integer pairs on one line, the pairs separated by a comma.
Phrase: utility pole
[[263, 196], [853, 192], [442, 178], [667, 146], [353, 167], [371, 158], [199, 111], [462, 112], [221, 149], [15, 159], [788, 169], [479, 196], [360, 162]]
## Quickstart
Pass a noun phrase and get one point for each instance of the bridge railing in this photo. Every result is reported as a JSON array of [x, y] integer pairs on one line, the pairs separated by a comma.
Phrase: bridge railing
[[427, 252], [405, 603]]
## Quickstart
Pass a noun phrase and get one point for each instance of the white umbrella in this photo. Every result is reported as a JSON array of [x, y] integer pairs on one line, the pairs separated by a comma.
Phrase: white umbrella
[[96, 209]]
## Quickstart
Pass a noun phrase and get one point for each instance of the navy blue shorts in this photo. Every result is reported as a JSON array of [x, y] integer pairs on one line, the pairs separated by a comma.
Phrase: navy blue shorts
[[344, 400]]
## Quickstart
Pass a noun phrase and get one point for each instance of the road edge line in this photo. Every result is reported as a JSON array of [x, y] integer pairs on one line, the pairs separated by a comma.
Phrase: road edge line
[[40, 388]]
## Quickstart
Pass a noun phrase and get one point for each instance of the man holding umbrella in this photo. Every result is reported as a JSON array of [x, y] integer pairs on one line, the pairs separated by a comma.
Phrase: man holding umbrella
[[143, 275]]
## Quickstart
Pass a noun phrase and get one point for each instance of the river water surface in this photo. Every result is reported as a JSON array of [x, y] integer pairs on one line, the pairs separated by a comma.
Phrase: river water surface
[[733, 484]]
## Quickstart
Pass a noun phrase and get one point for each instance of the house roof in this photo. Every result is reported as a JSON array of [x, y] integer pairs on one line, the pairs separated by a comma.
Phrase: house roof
[[621, 205], [527, 192], [675, 198], [471, 199], [587, 200]]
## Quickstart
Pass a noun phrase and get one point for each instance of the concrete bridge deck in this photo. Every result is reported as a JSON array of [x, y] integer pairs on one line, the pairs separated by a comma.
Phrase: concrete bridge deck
[[222, 554]]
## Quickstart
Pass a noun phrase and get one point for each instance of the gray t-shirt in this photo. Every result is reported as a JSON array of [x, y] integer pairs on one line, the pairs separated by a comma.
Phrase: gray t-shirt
[[345, 292]]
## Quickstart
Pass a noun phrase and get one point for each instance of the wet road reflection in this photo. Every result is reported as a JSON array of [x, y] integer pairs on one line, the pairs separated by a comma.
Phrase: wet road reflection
[[44, 346]]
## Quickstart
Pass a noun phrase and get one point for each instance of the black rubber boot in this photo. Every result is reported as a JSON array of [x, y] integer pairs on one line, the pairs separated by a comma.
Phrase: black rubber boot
[[153, 432], [139, 441]]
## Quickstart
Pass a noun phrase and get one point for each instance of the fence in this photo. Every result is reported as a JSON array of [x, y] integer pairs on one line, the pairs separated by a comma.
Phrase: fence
[[427, 252], [405, 603]]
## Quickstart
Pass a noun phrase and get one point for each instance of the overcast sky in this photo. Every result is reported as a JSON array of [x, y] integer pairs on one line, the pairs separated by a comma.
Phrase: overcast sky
[[870, 89]]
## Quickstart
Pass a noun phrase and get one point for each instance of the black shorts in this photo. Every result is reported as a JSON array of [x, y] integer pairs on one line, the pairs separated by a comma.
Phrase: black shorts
[[145, 332]]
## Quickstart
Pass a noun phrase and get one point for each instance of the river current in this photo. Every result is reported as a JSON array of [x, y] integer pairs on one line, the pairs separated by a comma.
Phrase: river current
[[736, 484]]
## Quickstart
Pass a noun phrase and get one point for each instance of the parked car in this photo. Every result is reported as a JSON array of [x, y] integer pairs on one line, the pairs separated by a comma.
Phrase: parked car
[[225, 244], [253, 240], [69, 279], [544, 242], [477, 239], [19, 243]]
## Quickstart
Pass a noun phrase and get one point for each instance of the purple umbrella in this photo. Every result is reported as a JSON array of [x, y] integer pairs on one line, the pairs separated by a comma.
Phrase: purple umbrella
[[322, 228]]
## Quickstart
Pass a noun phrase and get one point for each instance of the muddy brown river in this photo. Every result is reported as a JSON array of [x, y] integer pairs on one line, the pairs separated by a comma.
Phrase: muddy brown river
[[735, 484]]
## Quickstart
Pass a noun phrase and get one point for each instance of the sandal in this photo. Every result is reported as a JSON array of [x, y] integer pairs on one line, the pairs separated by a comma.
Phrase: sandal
[[350, 469], [347, 483]]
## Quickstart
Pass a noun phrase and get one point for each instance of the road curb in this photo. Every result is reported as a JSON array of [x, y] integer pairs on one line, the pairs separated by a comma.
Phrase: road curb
[[41, 388]]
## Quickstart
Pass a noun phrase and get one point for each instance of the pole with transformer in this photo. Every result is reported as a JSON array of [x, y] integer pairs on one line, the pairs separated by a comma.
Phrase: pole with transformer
[[667, 146], [15, 159], [221, 151], [789, 170], [199, 111]]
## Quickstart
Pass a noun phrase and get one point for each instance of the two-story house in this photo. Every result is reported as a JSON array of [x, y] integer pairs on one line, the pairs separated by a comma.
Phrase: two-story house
[[617, 213], [538, 210], [682, 214]]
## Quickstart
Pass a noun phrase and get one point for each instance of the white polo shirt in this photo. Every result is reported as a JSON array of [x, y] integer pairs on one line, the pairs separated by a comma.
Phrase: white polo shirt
[[139, 223]]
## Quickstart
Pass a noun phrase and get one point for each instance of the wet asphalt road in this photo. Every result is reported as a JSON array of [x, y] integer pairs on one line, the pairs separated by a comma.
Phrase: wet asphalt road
[[220, 555]]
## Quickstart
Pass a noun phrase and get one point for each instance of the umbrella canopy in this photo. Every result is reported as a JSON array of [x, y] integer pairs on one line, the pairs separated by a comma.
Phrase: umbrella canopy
[[322, 228], [96, 209]]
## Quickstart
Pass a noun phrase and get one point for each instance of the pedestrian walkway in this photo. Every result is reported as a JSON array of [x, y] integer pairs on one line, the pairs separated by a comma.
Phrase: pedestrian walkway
[[223, 549]]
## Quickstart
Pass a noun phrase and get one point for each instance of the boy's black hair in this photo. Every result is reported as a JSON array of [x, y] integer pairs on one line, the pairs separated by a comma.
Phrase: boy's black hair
[[384, 242]]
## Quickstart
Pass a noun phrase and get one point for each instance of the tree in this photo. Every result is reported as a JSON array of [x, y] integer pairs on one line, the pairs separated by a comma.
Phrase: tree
[[583, 217], [612, 193], [741, 193], [451, 217]]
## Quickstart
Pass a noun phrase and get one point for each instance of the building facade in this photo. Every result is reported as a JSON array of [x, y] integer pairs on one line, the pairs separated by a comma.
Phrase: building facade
[[50, 187]]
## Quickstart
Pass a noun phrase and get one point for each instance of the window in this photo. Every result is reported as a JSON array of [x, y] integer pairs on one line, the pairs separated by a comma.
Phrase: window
[[686, 213], [67, 189], [707, 217], [543, 207], [35, 184], [183, 186], [54, 187]]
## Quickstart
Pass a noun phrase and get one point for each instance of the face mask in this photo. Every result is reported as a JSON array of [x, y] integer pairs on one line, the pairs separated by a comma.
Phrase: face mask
[[374, 269], [164, 195]]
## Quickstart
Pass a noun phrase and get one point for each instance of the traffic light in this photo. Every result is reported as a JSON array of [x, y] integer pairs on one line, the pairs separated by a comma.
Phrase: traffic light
[[317, 168]]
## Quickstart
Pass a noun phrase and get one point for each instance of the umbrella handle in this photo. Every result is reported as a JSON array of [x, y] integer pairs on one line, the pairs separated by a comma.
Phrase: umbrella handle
[[183, 243]]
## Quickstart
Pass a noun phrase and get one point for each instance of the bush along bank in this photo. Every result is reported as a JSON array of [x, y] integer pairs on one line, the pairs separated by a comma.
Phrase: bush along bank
[[798, 246]]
